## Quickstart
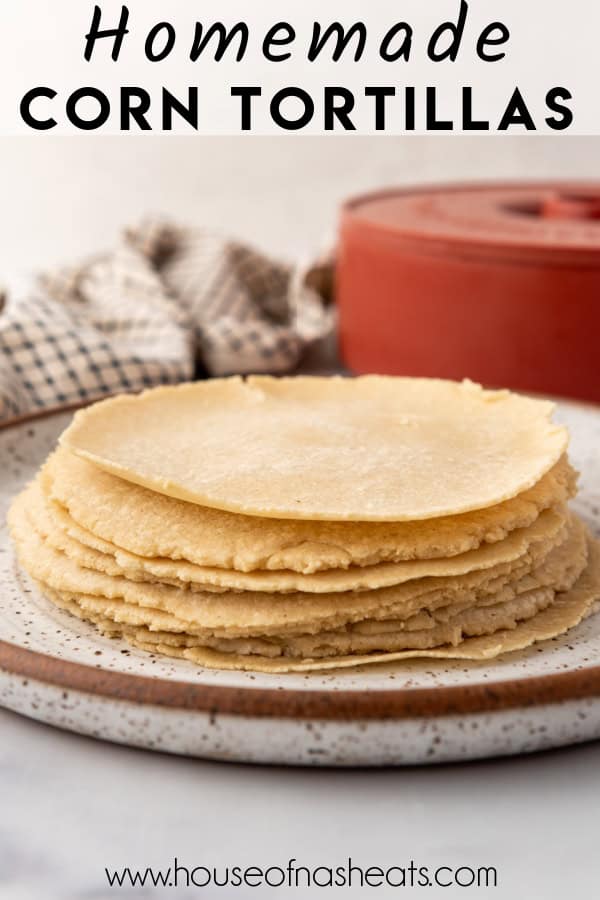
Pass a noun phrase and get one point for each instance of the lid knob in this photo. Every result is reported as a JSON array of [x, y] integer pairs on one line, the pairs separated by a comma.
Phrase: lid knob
[[570, 206]]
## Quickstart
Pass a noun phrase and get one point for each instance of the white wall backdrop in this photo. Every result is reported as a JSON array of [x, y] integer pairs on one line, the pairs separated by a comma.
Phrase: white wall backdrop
[[62, 197]]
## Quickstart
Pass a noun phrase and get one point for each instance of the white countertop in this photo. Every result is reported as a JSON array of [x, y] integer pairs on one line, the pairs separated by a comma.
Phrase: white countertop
[[71, 806]]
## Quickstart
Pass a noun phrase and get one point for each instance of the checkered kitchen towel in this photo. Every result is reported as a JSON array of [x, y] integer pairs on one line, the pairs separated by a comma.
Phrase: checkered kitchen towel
[[165, 300]]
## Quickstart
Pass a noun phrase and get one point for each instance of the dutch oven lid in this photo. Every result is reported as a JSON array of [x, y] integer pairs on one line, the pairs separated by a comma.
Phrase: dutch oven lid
[[553, 222]]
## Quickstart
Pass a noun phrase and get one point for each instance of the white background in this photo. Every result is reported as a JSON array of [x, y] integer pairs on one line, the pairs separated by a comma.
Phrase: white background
[[65, 196], [552, 43]]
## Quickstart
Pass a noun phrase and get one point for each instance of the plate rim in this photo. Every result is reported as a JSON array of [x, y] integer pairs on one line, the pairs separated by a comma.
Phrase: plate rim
[[281, 702]]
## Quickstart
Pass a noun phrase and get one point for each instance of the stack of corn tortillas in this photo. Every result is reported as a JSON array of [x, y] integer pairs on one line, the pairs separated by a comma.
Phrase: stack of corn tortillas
[[311, 523]]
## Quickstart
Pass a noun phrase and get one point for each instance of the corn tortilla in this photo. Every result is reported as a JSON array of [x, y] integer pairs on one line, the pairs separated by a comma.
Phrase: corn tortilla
[[461, 625], [372, 448], [546, 528], [112, 515], [259, 613], [568, 610], [422, 611]]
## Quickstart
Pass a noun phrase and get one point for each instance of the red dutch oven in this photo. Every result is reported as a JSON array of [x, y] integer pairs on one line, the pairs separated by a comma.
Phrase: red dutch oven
[[499, 283]]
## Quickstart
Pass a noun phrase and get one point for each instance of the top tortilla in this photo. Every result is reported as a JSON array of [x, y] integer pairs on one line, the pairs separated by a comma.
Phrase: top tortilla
[[364, 449]]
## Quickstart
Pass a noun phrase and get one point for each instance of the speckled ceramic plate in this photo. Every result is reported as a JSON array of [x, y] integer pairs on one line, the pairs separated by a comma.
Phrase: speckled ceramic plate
[[59, 670]]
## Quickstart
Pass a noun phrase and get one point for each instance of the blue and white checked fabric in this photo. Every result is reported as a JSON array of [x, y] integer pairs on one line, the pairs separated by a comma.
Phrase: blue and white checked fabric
[[167, 301]]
